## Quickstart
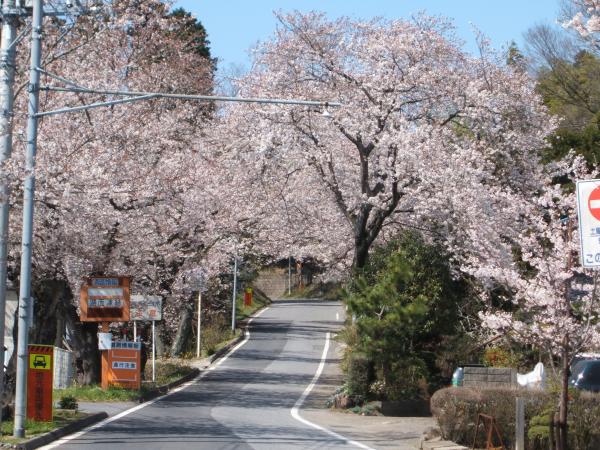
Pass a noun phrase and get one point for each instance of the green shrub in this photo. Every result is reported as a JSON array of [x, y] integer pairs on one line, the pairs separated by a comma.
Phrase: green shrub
[[406, 380], [538, 432], [68, 402], [358, 376]]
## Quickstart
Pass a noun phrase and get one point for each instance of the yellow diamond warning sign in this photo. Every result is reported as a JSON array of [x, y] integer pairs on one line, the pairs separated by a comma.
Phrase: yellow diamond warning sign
[[39, 361]]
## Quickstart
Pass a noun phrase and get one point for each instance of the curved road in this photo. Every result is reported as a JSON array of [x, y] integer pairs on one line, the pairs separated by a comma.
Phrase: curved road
[[247, 401]]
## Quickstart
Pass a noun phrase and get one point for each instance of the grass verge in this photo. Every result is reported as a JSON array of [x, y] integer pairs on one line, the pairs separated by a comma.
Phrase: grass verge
[[167, 371], [61, 418]]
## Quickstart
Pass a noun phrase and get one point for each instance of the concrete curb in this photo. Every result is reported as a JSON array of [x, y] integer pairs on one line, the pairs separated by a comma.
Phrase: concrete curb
[[223, 350], [54, 435], [243, 326], [161, 390]]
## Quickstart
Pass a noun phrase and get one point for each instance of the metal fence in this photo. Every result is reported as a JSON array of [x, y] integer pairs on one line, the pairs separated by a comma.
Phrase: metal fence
[[64, 368]]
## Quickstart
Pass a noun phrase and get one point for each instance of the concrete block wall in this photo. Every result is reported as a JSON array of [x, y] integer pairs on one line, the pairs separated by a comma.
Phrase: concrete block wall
[[490, 377], [273, 282]]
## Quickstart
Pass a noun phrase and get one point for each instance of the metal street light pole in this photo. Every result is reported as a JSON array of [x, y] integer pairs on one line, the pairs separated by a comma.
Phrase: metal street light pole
[[7, 75], [28, 197]]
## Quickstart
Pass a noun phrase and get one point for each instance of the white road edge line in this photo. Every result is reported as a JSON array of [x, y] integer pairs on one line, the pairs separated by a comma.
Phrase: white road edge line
[[295, 411], [151, 402]]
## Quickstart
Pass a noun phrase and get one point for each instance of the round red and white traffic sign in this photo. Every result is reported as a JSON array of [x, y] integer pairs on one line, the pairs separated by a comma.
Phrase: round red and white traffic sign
[[594, 203]]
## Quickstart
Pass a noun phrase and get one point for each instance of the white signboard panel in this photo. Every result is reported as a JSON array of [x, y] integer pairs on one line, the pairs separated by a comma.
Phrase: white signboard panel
[[588, 209], [145, 307], [104, 341]]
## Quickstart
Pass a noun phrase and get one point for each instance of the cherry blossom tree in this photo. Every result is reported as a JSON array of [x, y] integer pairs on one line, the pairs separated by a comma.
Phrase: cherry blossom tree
[[554, 301], [424, 132], [119, 190], [586, 20]]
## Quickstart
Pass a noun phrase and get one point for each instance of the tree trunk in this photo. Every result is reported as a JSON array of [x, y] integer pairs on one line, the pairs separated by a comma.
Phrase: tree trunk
[[184, 332], [361, 253], [89, 355], [83, 339], [564, 398], [161, 348], [52, 299]]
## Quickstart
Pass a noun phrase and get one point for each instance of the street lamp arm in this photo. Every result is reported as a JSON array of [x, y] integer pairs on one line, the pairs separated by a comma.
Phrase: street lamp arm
[[95, 105], [207, 98], [59, 78]]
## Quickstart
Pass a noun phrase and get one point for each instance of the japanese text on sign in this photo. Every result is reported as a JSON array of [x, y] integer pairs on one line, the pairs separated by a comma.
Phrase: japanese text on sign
[[104, 281], [105, 303], [145, 307], [124, 365]]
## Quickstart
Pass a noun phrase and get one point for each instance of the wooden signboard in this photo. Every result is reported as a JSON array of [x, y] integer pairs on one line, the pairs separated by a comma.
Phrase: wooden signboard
[[39, 382], [105, 299]]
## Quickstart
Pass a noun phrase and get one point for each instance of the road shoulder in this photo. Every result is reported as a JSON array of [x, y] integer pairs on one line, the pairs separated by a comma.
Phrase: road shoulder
[[380, 432]]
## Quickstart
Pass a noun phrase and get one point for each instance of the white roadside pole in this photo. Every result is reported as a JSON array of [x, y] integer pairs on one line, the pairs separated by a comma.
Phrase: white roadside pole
[[290, 275], [199, 330], [153, 352], [520, 424], [233, 302], [198, 283]]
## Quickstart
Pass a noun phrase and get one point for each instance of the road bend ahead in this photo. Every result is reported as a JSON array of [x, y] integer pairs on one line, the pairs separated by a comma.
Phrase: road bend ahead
[[248, 401]]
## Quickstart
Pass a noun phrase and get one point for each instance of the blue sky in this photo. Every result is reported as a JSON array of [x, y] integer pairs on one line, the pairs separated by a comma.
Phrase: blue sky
[[234, 26]]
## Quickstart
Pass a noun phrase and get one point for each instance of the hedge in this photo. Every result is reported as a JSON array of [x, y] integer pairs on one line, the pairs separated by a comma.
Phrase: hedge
[[456, 410]]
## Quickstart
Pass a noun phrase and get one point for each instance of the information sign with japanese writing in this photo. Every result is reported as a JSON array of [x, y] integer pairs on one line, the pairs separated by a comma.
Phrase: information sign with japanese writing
[[145, 307], [121, 365], [105, 299]]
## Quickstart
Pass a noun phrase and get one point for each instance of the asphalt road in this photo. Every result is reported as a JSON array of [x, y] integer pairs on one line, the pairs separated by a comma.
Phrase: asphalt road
[[248, 401]]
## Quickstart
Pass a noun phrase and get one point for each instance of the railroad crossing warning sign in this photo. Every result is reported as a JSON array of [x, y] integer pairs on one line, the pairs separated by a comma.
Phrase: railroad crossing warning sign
[[39, 383], [588, 209]]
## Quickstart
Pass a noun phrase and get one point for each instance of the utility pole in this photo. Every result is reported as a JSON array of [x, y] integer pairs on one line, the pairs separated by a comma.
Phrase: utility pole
[[7, 76], [28, 197], [233, 302]]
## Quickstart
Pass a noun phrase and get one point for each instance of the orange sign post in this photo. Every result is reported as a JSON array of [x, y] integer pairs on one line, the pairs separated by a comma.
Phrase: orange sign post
[[39, 382], [121, 365], [248, 297]]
